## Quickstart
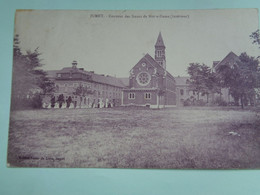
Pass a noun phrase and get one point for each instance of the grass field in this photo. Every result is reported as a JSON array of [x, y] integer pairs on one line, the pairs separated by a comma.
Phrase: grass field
[[135, 138]]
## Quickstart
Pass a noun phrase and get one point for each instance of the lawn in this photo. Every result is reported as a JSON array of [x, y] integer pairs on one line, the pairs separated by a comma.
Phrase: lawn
[[135, 138]]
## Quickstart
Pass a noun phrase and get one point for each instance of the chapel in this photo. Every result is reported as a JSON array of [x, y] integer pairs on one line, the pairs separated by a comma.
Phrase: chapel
[[150, 84]]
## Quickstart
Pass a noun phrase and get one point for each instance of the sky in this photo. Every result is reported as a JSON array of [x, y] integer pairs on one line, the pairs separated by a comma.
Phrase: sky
[[114, 42]]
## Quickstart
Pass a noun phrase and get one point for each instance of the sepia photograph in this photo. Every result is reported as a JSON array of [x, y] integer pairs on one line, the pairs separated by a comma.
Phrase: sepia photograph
[[172, 89]]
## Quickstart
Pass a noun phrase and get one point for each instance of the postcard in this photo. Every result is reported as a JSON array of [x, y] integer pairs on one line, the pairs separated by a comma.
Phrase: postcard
[[149, 89]]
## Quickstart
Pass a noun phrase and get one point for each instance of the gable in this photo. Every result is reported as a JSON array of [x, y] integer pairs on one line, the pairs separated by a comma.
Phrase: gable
[[230, 59], [147, 63]]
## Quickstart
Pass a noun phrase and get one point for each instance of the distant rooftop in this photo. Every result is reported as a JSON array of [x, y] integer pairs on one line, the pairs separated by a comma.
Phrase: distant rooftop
[[230, 59], [109, 80]]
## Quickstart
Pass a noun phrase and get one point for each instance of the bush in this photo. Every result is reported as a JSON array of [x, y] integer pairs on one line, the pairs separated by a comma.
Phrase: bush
[[220, 102], [194, 102], [187, 102], [36, 101], [199, 103], [21, 103]]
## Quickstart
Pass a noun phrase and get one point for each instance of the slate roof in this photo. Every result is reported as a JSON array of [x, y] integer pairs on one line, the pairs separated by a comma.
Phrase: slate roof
[[159, 41], [125, 81], [109, 80], [70, 69], [231, 58], [152, 61], [156, 65], [51, 73]]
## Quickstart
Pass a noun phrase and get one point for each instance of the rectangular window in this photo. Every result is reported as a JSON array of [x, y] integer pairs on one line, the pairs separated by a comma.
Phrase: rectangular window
[[131, 95], [147, 96]]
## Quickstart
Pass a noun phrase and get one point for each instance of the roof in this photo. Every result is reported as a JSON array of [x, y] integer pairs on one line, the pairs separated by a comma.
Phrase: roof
[[125, 81], [181, 80], [159, 41], [51, 73], [70, 69], [215, 63], [155, 64], [109, 80], [231, 58], [152, 61]]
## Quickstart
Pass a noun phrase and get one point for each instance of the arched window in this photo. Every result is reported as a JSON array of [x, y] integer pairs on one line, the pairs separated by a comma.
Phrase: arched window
[[131, 96], [147, 96]]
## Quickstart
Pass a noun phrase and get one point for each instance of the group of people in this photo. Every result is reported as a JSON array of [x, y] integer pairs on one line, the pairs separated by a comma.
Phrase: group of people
[[77, 104]]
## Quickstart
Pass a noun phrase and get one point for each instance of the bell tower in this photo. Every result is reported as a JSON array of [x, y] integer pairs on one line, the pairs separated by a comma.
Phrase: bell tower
[[160, 51]]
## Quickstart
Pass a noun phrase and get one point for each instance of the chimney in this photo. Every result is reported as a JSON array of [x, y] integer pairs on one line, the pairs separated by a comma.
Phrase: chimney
[[74, 64]]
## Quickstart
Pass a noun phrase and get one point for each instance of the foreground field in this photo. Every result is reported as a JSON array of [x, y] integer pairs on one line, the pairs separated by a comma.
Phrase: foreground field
[[135, 138]]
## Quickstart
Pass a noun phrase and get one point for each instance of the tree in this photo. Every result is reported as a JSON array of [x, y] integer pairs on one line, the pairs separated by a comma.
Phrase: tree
[[242, 78], [161, 93], [256, 37], [28, 79], [195, 82], [202, 79], [250, 72], [210, 82], [82, 91], [256, 40], [47, 86], [16, 47]]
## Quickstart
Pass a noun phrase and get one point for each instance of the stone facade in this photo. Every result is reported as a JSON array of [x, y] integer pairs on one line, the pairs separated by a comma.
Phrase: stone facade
[[149, 83], [103, 91]]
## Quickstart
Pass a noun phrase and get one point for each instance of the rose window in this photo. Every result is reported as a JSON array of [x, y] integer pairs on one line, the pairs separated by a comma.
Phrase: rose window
[[143, 78]]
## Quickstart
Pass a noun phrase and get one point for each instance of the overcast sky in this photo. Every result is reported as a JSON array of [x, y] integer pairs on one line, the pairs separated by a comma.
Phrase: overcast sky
[[109, 45]]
